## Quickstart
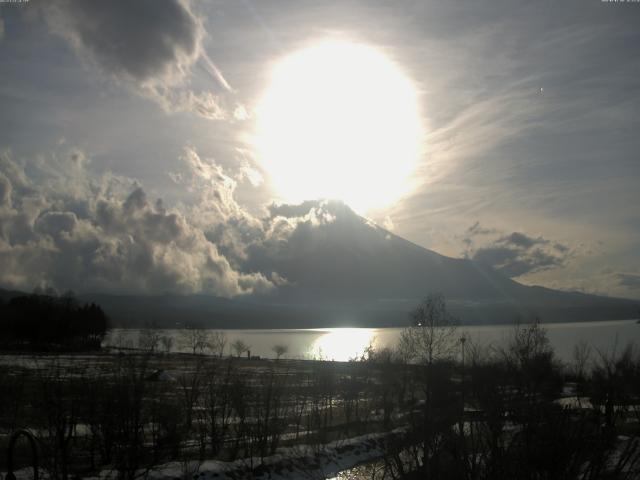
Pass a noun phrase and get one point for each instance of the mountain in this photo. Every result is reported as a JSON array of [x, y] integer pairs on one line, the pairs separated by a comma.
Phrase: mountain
[[350, 258], [363, 274], [343, 270]]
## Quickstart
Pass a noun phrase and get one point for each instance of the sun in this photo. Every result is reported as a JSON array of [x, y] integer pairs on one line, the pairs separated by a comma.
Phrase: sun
[[339, 120]]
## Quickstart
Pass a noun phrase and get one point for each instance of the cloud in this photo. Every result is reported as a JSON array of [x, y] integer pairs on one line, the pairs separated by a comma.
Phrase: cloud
[[56, 223], [63, 226], [387, 223], [629, 280], [106, 234], [514, 254], [607, 282], [247, 170], [148, 45], [206, 104], [240, 113], [215, 210], [520, 240], [5, 191], [475, 230], [145, 41]]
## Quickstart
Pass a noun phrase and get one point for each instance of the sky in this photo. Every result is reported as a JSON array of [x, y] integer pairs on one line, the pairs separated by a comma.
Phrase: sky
[[129, 161]]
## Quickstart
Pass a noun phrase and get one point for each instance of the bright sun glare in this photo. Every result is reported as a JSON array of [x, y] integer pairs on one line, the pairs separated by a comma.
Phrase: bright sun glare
[[342, 344], [341, 121]]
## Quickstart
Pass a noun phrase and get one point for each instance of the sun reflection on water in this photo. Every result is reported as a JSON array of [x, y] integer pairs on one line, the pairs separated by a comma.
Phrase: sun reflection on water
[[342, 344]]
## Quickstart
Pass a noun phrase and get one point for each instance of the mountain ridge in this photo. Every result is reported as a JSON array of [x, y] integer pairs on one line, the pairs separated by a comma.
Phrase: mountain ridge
[[343, 270]]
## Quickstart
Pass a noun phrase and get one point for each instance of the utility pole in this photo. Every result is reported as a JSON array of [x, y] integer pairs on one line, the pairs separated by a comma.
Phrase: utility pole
[[461, 423]]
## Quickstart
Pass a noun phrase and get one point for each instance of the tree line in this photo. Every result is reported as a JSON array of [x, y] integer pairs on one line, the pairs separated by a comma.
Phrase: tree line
[[50, 322]]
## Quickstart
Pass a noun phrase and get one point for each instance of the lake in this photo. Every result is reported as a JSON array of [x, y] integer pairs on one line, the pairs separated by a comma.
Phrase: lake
[[343, 344]]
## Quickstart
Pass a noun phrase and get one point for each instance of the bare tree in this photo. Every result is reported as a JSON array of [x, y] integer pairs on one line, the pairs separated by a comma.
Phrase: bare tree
[[196, 339], [167, 343], [529, 343], [149, 340], [280, 350], [433, 334], [58, 401], [121, 340], [611, 384], [477, 353], [217, 412], [217, 343], [239, 347], [431, 338], [581, 357]]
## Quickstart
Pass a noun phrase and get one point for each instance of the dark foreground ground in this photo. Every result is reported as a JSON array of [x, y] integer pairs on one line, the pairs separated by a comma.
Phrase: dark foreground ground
[[510, 414]]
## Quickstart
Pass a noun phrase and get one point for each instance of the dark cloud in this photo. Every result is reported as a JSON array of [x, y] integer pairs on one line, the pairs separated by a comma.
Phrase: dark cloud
[[147, 44], [477, 229], [136, 200], [561, 248], [521, 240], [495, 256], [513, 254], [142, 40], [56, 223], [473, 231]]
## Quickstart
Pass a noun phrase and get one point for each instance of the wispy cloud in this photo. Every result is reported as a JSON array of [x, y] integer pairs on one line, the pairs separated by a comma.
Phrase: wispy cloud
[[629, 280]]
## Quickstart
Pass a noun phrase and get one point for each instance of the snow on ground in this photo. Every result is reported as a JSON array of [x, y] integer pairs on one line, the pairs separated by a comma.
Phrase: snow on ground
[[291, 463], [575, 402], [309, 462]]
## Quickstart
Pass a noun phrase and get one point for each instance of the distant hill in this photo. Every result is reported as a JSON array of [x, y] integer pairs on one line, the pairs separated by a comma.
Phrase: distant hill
[[350, 272]]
